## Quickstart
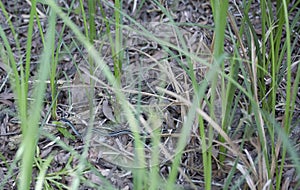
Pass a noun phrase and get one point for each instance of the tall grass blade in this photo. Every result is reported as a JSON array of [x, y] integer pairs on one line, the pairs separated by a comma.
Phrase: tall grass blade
[[118, 41], [288, 103], [30, 135], [220, 15]]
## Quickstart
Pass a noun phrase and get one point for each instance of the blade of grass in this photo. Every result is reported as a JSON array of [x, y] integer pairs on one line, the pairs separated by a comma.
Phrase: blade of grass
[[287, 115], [85, 26], [16, 86], [154, 170], [185, 132], [54, 73], [18, 82], [107, 28], [263, 163], [33, 15], [230, 175], [118, 42], [90, 94], [271, 103], [42, 174], [11, 27], [220, 15], [30, 136]]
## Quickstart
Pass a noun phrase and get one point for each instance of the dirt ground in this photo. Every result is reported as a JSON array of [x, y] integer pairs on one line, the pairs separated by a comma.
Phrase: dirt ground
[[146, 66]]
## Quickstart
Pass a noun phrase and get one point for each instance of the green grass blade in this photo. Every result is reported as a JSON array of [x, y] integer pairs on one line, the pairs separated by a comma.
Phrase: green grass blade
[[42, 174], [118, 41], [220, 15], [25, 78], [185, 132], [85, 25], [8, 20], [287, 115], [30, 136], [15, 79]]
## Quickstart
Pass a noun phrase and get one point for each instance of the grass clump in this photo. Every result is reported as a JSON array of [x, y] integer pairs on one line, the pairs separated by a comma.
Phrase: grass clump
[[189, 103]]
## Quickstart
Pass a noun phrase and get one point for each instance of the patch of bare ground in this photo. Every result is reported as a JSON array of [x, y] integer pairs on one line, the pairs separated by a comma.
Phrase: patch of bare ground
[[146, 66]]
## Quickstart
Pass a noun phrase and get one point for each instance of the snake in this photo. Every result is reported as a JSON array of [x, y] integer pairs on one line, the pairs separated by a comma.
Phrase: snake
[[110, 134]]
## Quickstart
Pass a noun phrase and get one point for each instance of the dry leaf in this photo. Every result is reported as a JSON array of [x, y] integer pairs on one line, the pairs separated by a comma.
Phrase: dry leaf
[[107, 111], [78, 91]]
